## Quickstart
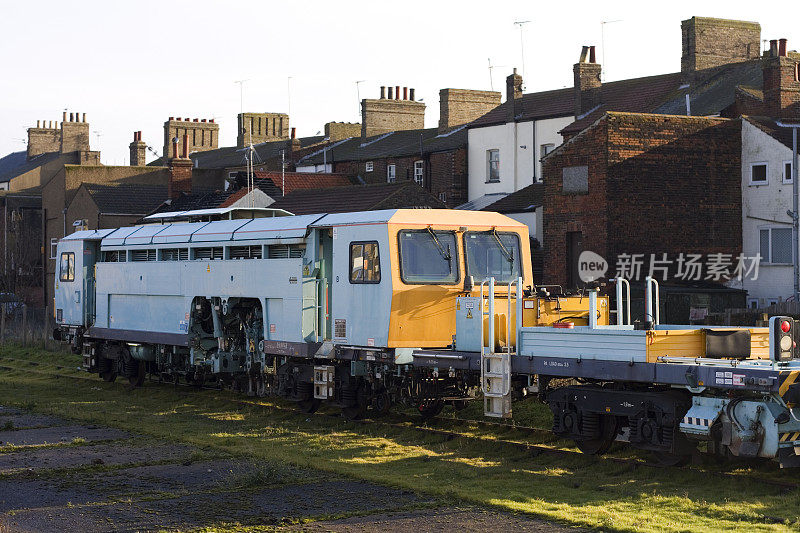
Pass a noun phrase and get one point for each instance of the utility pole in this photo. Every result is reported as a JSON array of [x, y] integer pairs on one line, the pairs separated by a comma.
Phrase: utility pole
[[794, 212], [521, 24]]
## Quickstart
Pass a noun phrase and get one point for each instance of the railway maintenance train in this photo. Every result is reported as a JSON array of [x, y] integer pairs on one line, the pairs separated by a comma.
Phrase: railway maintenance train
[[417, 306]]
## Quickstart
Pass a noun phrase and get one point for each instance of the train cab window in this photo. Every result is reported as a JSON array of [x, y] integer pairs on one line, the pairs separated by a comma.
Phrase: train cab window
[[365, 262], [428, 256], [492, 254], [67, 266]]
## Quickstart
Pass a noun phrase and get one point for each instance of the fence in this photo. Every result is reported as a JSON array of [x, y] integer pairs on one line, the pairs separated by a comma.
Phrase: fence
[[753, 317], [28, 326]]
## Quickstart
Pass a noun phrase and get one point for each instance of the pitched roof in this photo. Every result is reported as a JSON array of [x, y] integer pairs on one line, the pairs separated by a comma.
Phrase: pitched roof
[[525, 199], [198, 199], [482, 201], [299, 180], [771, 128], [392, 144], [128, 199], [17, 163], [555, 103], [402, 194]]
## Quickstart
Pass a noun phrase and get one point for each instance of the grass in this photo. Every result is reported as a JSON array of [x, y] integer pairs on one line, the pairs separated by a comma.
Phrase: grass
[[580, 491]]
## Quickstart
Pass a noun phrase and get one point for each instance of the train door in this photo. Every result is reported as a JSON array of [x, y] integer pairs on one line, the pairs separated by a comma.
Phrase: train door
[[325, 283], [69, 283], [91, 250]]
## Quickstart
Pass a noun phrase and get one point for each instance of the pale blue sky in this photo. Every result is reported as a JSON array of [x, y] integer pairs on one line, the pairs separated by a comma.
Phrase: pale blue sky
[[129, 66]]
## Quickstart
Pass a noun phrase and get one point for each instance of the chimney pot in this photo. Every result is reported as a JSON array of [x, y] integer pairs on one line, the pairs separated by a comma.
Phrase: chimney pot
[[64, 118], [196, 120], [83, 117], [212, 120], [397, 92], [171, 119], [782, 47], [405, 93], [411, 94], [37, 124], [591, 55], [390, 93], [383, 92], [72, 117], [294, 132], [203, 120], [773, 47]]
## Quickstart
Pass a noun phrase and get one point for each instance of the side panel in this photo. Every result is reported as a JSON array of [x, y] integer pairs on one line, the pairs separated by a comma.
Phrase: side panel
[[360, 311], [69, 287]]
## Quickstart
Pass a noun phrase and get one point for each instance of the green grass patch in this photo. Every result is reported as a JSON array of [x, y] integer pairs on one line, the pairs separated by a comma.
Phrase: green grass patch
[[579, 490]]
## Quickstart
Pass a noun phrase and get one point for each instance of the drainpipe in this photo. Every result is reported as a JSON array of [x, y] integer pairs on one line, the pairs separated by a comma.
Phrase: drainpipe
[[794, 212], [516, 147]]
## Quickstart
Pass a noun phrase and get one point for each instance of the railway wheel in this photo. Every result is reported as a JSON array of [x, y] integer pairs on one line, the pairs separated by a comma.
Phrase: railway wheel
[[670, 459], [608, 429], [107, 369], [310, 405], [355, 402], [382, 402], [136, 373], [430, 407]]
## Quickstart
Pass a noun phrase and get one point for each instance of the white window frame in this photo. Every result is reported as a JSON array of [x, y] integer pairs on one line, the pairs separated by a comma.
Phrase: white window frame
[[54, 248], [773, 301], [546, 148], [391, 173], [751, 301], [766, 173], [369, 166], [419, 172], [787, 178], [768, 260], [489, 161]]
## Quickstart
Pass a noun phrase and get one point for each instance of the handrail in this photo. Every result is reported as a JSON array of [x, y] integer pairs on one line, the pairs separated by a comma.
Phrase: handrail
[[620, 281], [651, 296]]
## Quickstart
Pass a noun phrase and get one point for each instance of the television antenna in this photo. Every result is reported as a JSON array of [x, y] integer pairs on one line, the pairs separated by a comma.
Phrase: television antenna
[[603, 44], [358, 95], [521, 24], [491, 80]]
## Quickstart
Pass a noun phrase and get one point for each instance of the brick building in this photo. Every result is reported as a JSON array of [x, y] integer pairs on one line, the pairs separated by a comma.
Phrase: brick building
[[393, 148], [642, 184], [200, 135]]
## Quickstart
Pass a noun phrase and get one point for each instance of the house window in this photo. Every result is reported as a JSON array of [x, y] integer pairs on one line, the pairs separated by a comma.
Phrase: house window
[[752, 303], [775, 245], [758, 173], [368, 166], [53, 248], [493, 166], [546, 149], [419, 172], [787, 171], [443, 196], [390, 173], [365, 262], [67, 267]]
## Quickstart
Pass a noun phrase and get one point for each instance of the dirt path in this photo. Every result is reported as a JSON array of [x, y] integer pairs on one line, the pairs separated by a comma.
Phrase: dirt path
[[59, 476]]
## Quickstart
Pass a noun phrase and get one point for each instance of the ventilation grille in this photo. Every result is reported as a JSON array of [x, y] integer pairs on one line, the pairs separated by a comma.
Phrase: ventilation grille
[[143, 255], [174, 254], [245, 252], [208, 253], [114, 256], [285, 251]]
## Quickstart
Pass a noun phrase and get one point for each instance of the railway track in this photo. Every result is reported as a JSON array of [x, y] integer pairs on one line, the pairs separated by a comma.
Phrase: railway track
[[408, 424]]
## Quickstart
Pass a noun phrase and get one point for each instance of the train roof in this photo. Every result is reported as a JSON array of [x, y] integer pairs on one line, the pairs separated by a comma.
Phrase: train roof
[[284, 227]]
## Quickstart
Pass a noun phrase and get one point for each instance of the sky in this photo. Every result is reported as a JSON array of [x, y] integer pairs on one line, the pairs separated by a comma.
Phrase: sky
[[131, 65]]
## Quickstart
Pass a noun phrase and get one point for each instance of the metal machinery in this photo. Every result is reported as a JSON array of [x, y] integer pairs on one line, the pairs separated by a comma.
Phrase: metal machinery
[[659, 387], [424, 307]]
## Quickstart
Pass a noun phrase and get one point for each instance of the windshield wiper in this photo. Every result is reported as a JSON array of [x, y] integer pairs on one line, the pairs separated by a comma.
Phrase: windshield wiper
[[509, 255], [444, 253]]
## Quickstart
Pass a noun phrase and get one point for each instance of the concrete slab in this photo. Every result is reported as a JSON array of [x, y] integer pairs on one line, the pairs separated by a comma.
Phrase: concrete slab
[[58, 434]]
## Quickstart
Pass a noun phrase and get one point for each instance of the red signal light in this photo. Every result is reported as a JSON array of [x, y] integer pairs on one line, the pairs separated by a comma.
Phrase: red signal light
[[785, 326]]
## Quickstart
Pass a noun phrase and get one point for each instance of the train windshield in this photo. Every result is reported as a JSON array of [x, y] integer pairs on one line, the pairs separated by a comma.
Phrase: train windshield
[[428, 256], [492, 254]]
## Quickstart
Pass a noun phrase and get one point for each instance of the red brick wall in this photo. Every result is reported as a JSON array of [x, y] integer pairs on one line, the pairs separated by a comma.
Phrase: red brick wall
[[445, 172], [657, 184]]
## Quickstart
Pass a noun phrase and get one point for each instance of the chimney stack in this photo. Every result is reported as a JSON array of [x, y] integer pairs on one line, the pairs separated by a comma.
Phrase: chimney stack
[[138, 150], [781, 85], [180, 170], [395, 113], [588, 88], [514, 95]]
